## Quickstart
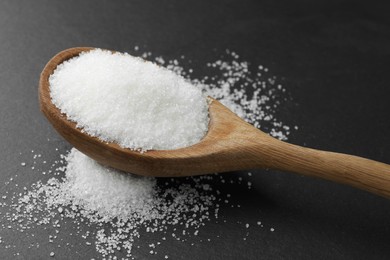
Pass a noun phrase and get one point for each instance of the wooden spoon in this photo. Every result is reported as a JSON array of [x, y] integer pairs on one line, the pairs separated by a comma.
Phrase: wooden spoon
[[230, 144]]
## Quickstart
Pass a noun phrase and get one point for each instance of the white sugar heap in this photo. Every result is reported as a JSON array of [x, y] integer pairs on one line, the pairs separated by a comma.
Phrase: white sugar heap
[[99, 189], [96, 195], [127, 100]]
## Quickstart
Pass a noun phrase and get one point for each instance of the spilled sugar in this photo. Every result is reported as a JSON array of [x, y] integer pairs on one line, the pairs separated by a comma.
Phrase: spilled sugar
[[111, 210], [98, 195], [113, 96], [249, 92], [109, 193]]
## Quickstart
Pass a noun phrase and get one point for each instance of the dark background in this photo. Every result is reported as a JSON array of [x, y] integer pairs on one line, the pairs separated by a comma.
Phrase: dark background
[[333, 58]]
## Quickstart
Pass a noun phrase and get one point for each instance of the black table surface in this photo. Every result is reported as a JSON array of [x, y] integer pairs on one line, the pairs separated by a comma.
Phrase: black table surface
[[333, 58]]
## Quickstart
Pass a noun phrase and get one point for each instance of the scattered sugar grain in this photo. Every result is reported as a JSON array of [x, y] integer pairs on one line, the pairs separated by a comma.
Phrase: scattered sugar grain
[[94, 194]]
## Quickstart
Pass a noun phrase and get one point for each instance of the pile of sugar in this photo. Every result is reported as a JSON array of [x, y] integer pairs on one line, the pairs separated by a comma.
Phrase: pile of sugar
[[129, 101], [99, 195], [80, 190], [108, 192]]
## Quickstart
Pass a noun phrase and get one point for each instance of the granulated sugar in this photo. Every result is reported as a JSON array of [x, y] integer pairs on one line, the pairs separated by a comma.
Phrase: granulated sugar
[[94, 194], [113, 96], [109, 193], [112, 210], [247, 91]]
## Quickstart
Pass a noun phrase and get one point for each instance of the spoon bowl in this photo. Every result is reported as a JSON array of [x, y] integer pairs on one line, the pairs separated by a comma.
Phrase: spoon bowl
[[230, 144]]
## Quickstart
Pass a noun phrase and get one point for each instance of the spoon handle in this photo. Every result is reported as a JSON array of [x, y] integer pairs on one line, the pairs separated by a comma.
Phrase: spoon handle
[[352, 170]]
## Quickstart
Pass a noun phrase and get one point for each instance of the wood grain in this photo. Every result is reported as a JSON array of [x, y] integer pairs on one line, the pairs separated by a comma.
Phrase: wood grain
[[230, 144]]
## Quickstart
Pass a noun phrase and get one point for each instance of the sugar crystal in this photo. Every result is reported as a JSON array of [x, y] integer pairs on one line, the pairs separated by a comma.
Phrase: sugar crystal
[[127, 100]]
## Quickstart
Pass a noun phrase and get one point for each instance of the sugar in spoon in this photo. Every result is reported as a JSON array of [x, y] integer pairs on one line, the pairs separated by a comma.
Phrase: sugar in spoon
[[230, 144]]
